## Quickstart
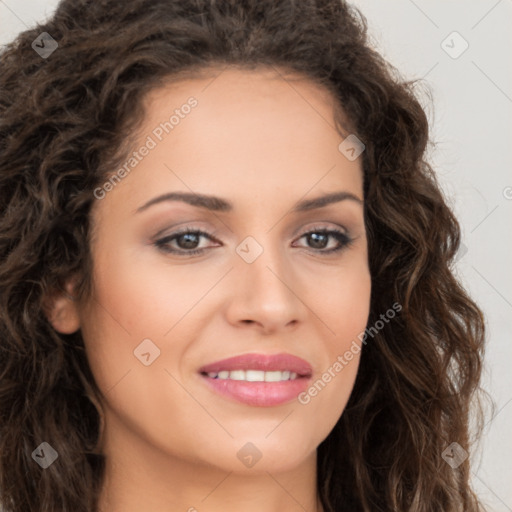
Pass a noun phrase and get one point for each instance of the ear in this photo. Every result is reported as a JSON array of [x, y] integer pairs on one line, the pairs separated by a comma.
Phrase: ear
[[61, 309]]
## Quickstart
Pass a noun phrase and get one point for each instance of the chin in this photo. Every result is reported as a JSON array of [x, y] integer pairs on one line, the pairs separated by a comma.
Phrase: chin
[[262, 455]]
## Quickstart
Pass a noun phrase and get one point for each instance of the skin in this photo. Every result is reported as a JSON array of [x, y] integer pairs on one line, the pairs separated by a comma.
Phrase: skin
[[262, 143]]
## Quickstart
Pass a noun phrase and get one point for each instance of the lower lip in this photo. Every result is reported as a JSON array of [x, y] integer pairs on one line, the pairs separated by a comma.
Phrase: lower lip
[[260, 394]]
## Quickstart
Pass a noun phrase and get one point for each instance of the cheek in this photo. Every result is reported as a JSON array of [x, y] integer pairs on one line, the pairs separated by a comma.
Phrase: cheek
[[345, 302], [131, 306], [140, 300], [346, 307], [135, 302]]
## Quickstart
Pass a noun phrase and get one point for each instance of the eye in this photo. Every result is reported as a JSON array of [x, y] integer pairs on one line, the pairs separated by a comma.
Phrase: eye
[[319, 238], [186, 242]]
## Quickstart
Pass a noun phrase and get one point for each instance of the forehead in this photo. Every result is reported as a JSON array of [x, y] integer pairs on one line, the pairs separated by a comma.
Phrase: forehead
[[252, 95], [252, 133]]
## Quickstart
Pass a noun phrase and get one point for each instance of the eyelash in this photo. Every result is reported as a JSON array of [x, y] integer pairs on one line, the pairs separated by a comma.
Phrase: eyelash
[[163, 244]]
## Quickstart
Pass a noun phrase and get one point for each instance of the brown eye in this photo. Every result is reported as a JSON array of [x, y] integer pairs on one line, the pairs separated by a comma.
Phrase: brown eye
[[186, 241], [318, 239]]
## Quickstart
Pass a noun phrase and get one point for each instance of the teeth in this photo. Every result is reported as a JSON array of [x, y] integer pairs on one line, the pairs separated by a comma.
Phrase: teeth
[[254, 375], [273, 376], [237, 375]]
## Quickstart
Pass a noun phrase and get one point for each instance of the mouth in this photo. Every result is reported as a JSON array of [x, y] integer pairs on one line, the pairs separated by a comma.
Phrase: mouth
[[254, 375], [258, 379]]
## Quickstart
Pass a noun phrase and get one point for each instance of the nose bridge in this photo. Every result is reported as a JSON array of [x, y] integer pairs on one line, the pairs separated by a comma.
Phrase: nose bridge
[[264, 288]]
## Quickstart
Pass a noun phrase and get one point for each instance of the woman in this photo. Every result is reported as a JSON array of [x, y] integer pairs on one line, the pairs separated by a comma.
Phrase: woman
[[225, 268]]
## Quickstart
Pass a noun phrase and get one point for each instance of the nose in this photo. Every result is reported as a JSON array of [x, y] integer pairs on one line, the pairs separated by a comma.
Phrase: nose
[[266, 294]]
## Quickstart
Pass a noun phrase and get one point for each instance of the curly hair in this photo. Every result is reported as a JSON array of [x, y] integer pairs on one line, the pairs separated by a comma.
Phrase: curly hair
[[67, 120]]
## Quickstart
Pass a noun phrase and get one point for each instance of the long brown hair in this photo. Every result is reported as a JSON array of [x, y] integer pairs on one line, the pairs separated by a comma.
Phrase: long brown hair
[[65, 122]]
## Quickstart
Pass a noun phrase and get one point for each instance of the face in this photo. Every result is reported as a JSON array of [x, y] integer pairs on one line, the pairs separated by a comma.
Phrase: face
[[239, 263]]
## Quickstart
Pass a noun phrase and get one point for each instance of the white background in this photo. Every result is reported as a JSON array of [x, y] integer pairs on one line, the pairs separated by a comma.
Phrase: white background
[[471, 121]]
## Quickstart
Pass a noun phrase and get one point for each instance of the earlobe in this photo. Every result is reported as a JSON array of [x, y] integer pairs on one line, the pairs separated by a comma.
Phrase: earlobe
[[61, 310]]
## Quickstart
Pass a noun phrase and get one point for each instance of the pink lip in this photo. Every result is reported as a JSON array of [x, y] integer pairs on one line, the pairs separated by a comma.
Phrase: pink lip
[[262, 394], [268, 363]]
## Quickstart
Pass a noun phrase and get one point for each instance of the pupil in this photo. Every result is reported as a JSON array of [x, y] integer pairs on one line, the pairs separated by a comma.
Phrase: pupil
[[189, 240], [316, 237]]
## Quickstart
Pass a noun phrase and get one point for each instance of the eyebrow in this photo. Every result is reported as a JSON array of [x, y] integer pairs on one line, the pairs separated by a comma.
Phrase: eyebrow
[[218, 204]]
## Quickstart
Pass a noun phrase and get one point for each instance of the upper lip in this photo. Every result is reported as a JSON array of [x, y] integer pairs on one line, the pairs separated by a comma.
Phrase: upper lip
[[265, 362]]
